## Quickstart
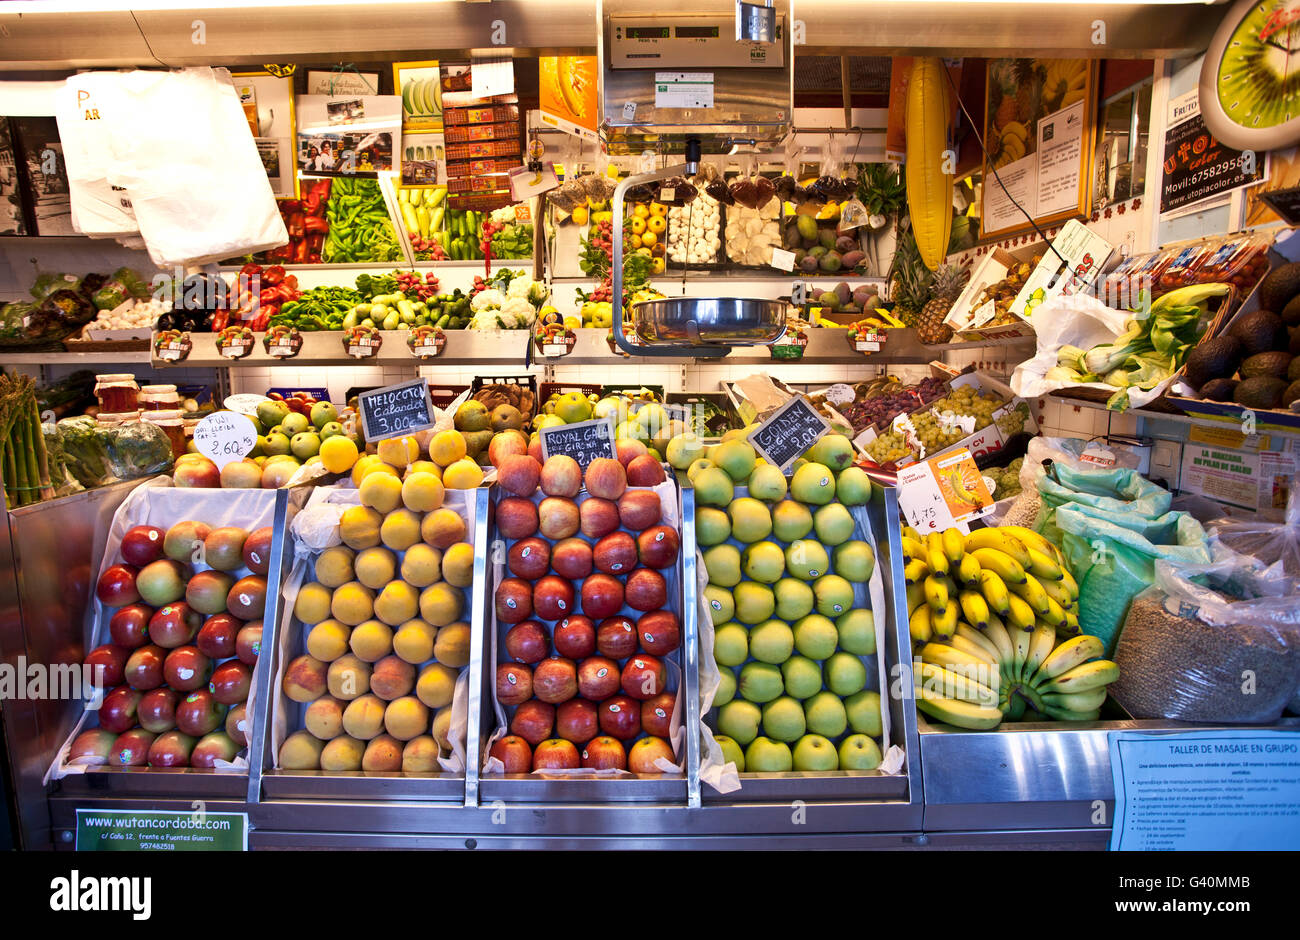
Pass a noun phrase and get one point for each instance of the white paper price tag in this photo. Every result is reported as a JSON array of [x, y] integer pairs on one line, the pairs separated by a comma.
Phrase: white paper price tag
[[224, 436], [782, 260], [629, 111]]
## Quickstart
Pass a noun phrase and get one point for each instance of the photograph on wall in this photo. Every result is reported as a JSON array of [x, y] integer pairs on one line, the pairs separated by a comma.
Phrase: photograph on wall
[[424, 159], [44, 174], [419, 84], [330, 144]]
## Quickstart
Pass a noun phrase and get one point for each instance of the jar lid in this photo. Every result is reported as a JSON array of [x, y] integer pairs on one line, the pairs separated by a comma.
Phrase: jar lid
[[115, 377], [157, 389], [157, 417], [117, 417]]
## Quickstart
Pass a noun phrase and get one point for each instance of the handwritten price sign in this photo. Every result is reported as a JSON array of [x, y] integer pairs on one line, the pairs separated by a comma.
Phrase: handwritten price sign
[[224, 436]]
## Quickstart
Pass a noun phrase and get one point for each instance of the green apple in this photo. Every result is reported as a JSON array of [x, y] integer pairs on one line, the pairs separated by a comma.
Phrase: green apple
[[294, 423], [726, 687], [815, 637], [731, 644], [771, 642], [754, 602], [739, 719], [735, 457], [833, 595], [783, 719], [763, 561], [857, 630], [712, 526], [791, 520], [760, 682], [767, 483], [721, 606], [853, 487], [323, 413], [698, 465], [331, 429], [833, 524], [722, 562], [845, 674], [794, 599], [859, 752], [712, 486], [304, 445], [824, 714], [813, 484], [731, 751], [806, 559], [270, 413], [765, 756], [854, 560], [863, 711], [815, 753], [803, 677], [751, 520]]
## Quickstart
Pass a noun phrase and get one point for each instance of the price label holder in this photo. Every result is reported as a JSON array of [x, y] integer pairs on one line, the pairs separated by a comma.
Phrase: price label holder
[[224, 436], [1205, 791], [130, 830], [362, 342], [868, 342], [782, 260], [584, 441], [789, 432], [396, 410], [282, 342], [172, 346], [943, 492]]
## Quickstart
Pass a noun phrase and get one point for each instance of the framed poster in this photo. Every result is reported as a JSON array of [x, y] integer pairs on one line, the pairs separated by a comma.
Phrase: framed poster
[[354, 135], [342, 82], [419, 84], [1039, 129], [12, 221], [268, 104]]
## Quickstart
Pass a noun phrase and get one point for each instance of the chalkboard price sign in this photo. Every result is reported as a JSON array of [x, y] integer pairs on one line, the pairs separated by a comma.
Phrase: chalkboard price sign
[[395, 410], [583, 441], [791, 430]]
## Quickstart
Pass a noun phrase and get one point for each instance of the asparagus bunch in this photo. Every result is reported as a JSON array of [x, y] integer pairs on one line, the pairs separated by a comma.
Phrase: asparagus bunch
[[22, 445]]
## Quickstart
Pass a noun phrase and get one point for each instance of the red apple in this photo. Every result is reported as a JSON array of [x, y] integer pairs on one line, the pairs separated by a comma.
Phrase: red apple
[[535, 448], [92, 747], [575, 637], [572, 559], [257, 550], [247, 597], [516, 517], [514, 600], [645, 471], [237, 725], [199, 713], [553, 597], [217, 636], [533, 721], [604, 753], [615, 553], [659, 546], [605, 478], [529, 558], [212, 747], [620, 717], [116, 587], [555, 754], [504, 445], [144, 668], [641, 758], [157, 710], [602, 596], [131, 748], [657, 714], [248, 642], [598, 678], [628, 449], [186, 669], [118, 711], [107, 665], [646, 589], [561, 476], [514, 684], [526, 642], [171, 749], [162, 582], [142, 544], [514, 753], [639, 509], [555, 680], [598, 517], [129, 626], [575, 720], [644, 677], [519, 474], [558, 518], [616, 637], [174, 625], [230, 682], [197, 473], [660, 632]]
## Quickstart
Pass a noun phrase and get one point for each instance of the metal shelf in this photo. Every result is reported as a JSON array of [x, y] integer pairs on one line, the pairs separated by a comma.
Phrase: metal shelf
[[72, 358]]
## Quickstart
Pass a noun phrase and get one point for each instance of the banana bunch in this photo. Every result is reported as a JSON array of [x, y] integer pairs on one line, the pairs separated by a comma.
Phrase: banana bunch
[[994, 618], [1012, 143], [1066, 82]]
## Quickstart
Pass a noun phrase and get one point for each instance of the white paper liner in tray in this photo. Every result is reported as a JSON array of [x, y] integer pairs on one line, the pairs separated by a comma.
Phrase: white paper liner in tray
[[671, 516], [724, 777], [314, 529], [158, 503]]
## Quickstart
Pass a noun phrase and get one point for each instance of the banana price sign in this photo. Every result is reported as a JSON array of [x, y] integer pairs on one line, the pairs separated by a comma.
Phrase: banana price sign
[[944, 491]]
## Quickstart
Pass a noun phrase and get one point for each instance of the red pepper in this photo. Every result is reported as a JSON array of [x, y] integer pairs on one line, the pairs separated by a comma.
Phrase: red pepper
[[315, 226], [295, 226], [273, 275], [300, 253], [291, 282], [283, 253], [249, 270], [314, 257], [220, 320]]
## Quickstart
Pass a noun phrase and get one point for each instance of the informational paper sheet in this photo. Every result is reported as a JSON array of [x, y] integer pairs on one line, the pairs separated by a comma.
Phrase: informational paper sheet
[[1206, 791], [1060, 146], [1021, 182], [1227, 476], [683, 89]]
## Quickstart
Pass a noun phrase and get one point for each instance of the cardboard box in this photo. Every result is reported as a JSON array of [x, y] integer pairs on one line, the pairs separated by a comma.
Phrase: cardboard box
[[756, 397]]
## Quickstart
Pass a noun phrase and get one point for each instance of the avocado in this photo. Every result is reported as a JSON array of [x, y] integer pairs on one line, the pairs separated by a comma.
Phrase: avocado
[[816, 252], [1292, 394], [1219, 389], [1293, 370], [1215, 358], [1294, 347], [1291, 312], [1263, 391], [1259, 331], [1279, 286], [1266, 363]]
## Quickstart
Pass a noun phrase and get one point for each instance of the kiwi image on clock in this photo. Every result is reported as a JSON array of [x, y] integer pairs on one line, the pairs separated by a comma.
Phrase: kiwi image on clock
[[1250, 80]]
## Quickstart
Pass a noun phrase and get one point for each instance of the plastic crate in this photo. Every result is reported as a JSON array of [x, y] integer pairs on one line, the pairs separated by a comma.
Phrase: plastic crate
[[443, 395], [547, 389], [633, 389]]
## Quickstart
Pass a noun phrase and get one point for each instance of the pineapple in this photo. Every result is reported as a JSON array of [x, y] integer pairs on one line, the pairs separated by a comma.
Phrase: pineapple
[[909, 278], [944, 289]]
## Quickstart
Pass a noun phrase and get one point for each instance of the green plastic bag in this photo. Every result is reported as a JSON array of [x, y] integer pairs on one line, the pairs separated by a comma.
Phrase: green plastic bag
[[1112, 526]]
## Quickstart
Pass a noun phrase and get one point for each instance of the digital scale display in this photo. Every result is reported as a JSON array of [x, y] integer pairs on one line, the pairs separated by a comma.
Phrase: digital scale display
[[697, 32], [648, 32]]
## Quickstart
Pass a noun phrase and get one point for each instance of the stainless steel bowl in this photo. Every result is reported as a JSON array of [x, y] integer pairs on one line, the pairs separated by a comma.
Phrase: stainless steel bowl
[[702, 321]]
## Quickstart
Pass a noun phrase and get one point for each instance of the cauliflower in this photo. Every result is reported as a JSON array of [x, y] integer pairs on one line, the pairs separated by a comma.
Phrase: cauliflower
[[486, 320], [519, 287], [518, 313], [485, 299]]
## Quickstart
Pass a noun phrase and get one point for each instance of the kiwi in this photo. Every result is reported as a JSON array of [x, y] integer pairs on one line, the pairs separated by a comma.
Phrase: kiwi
[[1280, 286], [1218, 389], [1258, 331]]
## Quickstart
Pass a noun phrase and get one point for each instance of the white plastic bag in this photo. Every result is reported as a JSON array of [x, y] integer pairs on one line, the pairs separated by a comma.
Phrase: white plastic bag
[[197, 184], [89, 111]]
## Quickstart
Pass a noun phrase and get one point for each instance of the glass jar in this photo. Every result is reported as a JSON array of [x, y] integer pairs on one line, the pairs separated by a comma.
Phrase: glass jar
[[106, 419], [159, 398], [117, 393], [172, 424]]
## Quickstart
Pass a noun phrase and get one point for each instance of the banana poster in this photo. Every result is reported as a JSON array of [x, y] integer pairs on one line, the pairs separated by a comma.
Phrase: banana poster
[[567, 89]]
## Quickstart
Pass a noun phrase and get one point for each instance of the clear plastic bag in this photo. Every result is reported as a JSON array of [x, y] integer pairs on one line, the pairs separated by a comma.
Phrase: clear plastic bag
[[139, 449], [1273, 543], [1213, 642]]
